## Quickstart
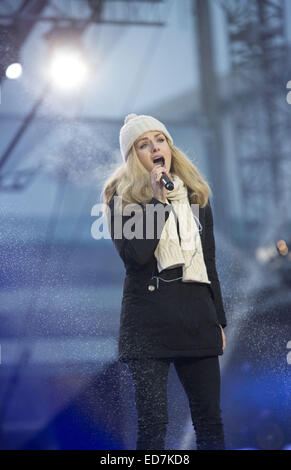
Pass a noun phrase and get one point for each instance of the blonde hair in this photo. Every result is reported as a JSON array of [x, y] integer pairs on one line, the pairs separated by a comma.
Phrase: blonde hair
[[132, 181]]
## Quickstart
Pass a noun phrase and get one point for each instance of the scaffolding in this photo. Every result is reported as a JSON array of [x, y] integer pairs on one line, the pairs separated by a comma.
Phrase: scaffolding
[[259, 54]]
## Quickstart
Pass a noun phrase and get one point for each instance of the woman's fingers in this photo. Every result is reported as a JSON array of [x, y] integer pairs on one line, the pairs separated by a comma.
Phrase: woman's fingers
[[223, 338], [160, 170]]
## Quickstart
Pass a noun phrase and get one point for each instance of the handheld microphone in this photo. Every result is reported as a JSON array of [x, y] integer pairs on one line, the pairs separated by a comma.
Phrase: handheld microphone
[[165, 180]]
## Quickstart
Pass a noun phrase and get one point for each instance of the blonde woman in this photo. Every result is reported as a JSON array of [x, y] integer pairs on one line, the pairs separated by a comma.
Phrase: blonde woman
[[172, 308]]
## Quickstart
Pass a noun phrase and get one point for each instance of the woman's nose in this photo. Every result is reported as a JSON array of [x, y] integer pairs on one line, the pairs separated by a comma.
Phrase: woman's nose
[[155, 147]]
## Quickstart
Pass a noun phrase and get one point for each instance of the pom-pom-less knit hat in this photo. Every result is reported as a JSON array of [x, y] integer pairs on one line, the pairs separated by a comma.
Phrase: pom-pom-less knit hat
[[134, 126]]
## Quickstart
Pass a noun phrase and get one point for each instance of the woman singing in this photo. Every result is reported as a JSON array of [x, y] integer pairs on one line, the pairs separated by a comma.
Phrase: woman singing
[[172, 308]]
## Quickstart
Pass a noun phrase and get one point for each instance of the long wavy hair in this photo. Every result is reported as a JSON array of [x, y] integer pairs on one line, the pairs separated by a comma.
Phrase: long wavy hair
[[132, 181]]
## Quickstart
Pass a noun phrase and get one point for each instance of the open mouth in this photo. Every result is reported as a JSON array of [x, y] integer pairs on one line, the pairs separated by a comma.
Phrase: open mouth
[[159, 160]]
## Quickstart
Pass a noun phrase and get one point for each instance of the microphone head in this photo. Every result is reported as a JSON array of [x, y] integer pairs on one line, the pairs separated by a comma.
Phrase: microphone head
[[169, 186]]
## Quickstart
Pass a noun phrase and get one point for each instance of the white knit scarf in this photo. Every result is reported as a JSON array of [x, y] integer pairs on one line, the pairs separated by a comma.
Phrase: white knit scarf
[[189, 254]]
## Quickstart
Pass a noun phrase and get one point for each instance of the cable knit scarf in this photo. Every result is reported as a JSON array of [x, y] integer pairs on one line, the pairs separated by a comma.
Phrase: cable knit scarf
[[170, 252]]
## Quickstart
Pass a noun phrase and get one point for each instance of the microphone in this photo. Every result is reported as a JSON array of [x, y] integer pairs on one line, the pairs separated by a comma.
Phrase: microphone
[[165, 180]]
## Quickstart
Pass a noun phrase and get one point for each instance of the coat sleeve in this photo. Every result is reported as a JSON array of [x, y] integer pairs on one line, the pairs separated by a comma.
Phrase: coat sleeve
[[209, 257], [138, 251]]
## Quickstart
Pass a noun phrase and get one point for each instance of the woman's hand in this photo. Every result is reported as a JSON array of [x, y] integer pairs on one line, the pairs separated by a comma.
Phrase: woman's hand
[[159, 189], [223, 338]]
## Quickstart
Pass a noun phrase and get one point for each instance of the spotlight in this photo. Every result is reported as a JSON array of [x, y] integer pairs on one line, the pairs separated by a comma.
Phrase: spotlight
[[14, 71], [67, 69]]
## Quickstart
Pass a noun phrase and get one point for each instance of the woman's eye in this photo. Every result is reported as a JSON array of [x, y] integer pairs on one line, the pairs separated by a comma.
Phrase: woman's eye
[[160, 139]]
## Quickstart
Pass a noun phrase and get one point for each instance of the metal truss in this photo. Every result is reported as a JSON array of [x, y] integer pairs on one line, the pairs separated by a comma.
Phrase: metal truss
[[18, 17], [259, 56], [72, 13]]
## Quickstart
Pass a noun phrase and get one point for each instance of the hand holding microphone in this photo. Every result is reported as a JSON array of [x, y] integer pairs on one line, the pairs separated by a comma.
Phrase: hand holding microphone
[[161, 180]]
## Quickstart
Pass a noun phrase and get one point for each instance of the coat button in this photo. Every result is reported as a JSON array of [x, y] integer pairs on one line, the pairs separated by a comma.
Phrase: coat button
[[151, 287]]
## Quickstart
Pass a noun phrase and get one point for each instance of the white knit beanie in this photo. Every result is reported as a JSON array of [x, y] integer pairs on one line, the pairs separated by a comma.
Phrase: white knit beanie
[[134, 126]]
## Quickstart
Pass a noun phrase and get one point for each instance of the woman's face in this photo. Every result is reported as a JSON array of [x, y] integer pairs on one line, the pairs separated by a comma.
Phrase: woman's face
[[151, 145]]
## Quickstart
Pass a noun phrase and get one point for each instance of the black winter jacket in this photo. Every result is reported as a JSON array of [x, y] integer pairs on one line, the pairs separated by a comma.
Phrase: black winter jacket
[[167, 319]]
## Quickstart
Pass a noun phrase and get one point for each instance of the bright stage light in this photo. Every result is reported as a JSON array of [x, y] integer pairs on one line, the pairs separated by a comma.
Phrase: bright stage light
[[14, 71], [67, 69]]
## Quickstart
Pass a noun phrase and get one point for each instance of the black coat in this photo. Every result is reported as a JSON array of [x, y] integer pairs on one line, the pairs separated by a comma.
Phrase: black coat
[[168, 319]]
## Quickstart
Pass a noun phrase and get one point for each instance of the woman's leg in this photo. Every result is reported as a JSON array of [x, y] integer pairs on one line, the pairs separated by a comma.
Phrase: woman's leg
[[200, 378], [150, 380]]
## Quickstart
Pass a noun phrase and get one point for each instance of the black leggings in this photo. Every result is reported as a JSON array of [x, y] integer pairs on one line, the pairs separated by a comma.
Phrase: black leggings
[[200, 378]]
